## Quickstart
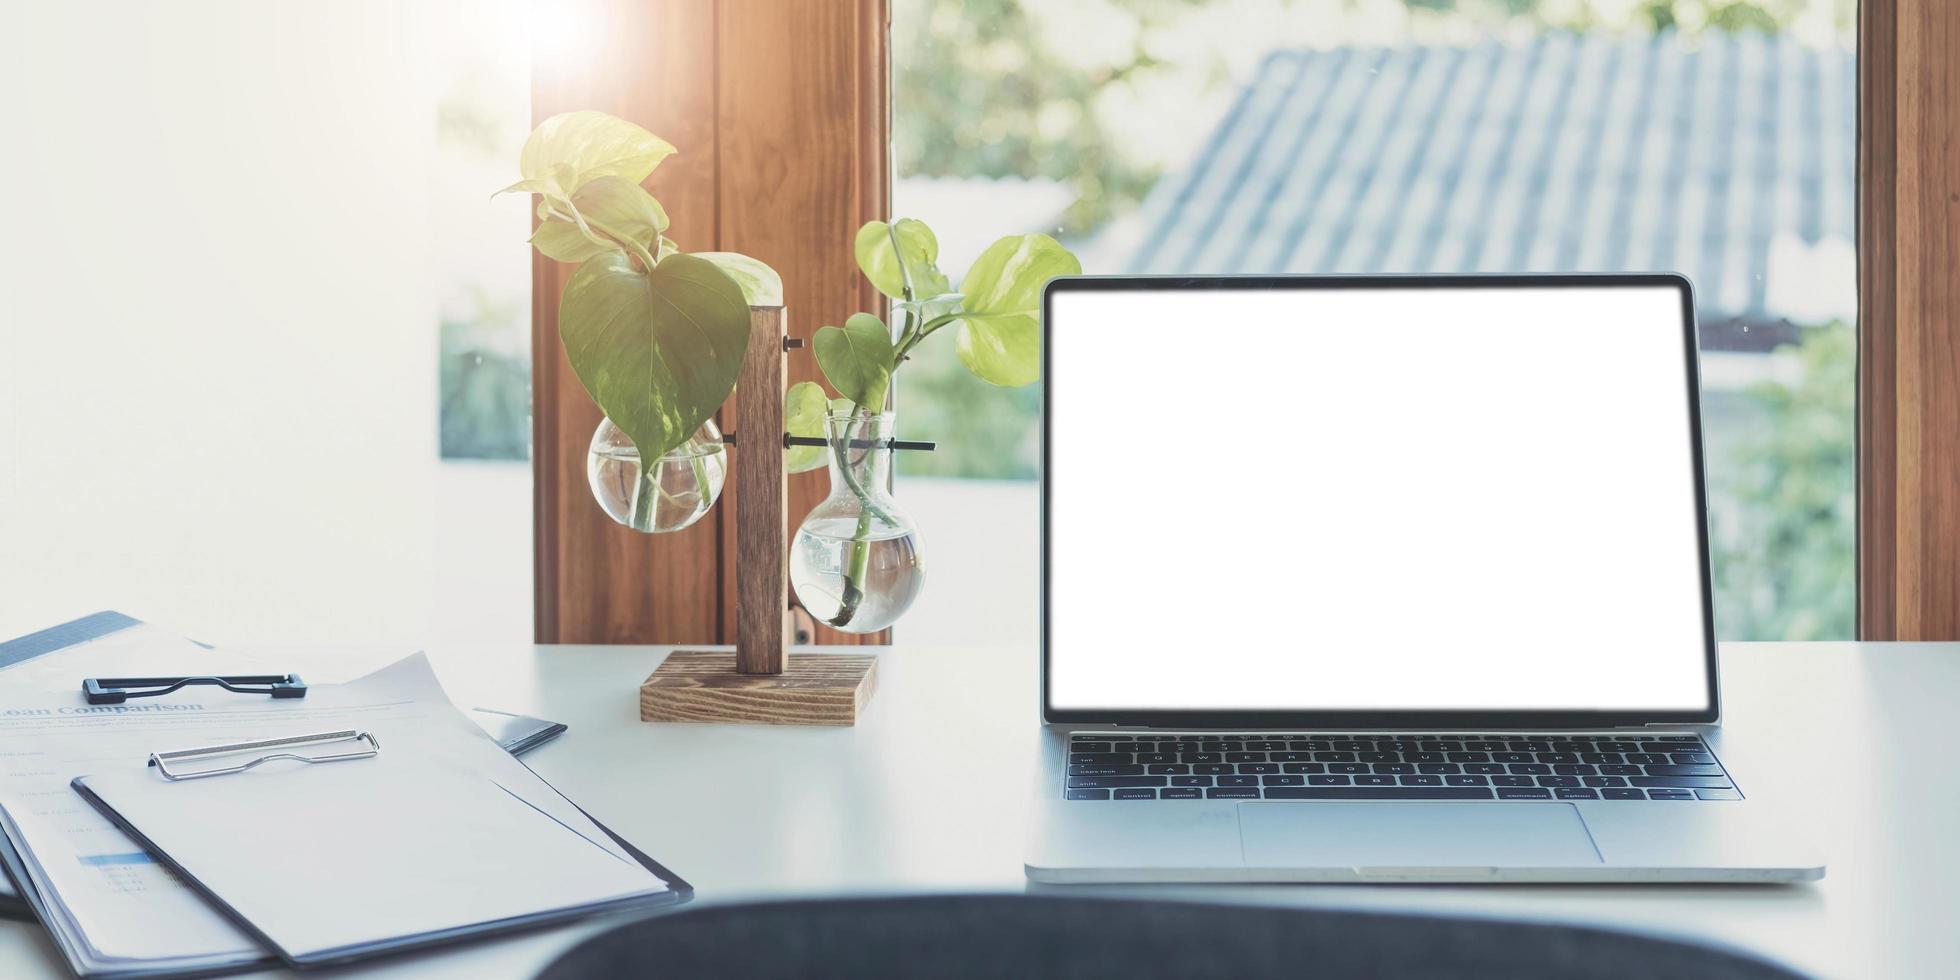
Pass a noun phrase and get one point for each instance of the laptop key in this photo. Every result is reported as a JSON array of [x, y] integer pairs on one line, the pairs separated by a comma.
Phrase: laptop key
[[1564, 793], [1467, 780], [1484, 769], [1105, 770], [1622, 794], [1190, 780], [1136, 794], [1422, 780], [1327, 780], [1214, 769], [1717, 794], [1232, 794], [1112, 782], [1684, 782], [1597, 781], [1096, 758], [1684, 770], [1303, 768], [1238, 780], [1521, 793], [1620, 770], [1283, 780], [1374, 780], [1511, 780], [1181, 794], [1088, 794], [1692, 758], [1258, 768], [1163, 771], [1156, 758], [1377, 793]]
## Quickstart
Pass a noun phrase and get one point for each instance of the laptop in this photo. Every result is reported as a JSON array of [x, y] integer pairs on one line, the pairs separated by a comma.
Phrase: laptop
[[1382, 579]]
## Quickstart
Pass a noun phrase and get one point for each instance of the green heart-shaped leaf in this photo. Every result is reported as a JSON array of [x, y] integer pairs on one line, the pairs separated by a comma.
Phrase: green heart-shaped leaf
[[887, 265], [611, 202], [804, 407], [1000, 336], [857, 358], [659, 352], [574, 147], [759, 283], [1003, 351]]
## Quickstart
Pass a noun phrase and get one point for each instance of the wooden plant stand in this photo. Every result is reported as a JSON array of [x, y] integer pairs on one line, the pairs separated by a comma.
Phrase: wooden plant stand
[[761, 683]]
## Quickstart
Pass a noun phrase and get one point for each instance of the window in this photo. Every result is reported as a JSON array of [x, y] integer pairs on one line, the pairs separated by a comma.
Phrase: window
[[1229, 136]]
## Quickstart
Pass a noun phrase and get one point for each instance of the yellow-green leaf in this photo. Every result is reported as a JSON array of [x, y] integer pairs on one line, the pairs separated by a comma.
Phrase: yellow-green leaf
[[574, 147], [610, 204], [658, 351], [759, 283], [1000, 335], [804, 406], [887, 265], [857, 358]]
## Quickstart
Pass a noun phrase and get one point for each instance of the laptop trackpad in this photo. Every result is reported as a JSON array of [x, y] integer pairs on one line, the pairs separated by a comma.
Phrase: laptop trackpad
[[1414, 835]]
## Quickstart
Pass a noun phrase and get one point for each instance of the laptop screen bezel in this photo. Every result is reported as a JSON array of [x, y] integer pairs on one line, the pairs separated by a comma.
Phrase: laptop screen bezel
[[1329, 720]]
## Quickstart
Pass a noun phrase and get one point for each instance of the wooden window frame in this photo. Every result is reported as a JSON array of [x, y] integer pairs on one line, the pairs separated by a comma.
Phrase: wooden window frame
[[780, 112], [1909, 320]]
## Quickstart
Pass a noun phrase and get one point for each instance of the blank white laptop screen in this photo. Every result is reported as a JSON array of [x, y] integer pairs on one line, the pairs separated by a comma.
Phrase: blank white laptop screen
[[1372, 498]]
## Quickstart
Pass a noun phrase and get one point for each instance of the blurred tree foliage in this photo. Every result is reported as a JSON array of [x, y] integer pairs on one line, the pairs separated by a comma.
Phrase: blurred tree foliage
[[981, 89], [1786, 569]]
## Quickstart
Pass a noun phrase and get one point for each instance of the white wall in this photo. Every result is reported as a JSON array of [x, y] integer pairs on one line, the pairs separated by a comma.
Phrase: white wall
[[218, 346]]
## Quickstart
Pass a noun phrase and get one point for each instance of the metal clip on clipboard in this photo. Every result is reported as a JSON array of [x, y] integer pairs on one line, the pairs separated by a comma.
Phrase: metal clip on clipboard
[[115, 690], [162, 760]]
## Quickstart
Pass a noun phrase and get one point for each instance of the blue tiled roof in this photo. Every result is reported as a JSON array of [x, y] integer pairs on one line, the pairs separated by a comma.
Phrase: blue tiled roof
[[1562, 153]]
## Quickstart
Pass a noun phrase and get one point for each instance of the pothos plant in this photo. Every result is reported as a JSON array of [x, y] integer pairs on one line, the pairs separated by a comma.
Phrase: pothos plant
[[656, 335], [996, 316]]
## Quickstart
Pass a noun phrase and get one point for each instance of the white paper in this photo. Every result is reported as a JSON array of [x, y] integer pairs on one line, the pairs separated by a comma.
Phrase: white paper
[[344, 854], [118, 908]]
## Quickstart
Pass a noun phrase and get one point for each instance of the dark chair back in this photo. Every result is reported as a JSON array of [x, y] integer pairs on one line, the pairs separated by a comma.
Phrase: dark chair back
[[1025, 937]]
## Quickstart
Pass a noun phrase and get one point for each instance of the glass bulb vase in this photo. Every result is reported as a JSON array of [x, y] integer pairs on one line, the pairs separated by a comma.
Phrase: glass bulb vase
[[681, 486], [855, 561]]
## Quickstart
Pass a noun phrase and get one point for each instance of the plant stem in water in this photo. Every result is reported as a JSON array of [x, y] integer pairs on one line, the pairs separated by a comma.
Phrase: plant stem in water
[[645, 494]]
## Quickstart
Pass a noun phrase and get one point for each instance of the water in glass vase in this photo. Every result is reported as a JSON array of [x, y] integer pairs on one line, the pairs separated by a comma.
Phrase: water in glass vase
[[680, 487], [889, 573]]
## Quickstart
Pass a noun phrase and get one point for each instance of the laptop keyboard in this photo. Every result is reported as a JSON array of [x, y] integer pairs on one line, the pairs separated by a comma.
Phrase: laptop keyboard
[[1166, 766]]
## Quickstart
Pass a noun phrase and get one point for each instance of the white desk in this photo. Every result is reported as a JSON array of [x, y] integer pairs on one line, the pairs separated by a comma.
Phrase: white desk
[[748, 812]]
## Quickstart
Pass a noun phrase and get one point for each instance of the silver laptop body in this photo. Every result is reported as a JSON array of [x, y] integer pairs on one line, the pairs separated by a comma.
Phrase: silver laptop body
[[1382, 579]]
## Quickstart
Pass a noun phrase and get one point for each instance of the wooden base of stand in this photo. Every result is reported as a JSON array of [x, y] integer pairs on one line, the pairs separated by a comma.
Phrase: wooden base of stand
[[813, 689]]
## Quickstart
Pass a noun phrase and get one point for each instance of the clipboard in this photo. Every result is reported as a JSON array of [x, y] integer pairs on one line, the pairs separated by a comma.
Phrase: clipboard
[[515, 733], [679, 892], [408, 837]]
